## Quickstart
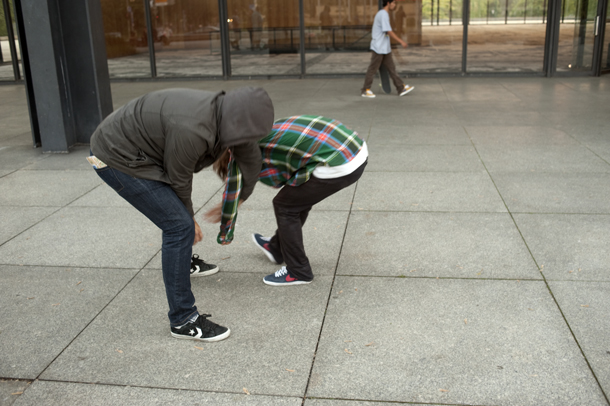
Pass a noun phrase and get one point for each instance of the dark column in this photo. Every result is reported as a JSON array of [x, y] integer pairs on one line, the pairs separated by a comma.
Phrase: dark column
[[68, 71]]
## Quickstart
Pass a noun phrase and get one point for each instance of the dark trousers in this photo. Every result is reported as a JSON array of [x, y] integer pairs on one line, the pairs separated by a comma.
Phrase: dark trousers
[[292, 205], [388, 62], [158, 202]]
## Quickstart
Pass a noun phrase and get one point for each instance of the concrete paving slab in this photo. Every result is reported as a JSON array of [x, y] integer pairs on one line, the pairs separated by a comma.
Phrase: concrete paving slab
[[549, 158], [19, 156], [525, 136], [427, 191], [399, 135], [4, 173], [267, 353], [461, 91], [322, 236], [45, 188], [585, 306], [15, 220], [424, 115], [462, 245], [502, 119], [45, 308], [449, 342], [11, 390], [109, 237], [555, 192], [66, 393], [341, 402], [73, 161], [570, 246], [424, 158]]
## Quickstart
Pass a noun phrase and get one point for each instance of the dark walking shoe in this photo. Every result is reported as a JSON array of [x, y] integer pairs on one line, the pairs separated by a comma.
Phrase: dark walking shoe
[[263, 243], [282, 278], [200, 268], [201, 329]]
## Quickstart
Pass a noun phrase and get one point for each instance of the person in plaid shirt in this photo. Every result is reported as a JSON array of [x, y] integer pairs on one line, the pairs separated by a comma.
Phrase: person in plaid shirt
[[310, 158]]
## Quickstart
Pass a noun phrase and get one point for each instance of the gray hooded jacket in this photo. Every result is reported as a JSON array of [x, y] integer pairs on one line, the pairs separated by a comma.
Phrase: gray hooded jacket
[[170, 134]]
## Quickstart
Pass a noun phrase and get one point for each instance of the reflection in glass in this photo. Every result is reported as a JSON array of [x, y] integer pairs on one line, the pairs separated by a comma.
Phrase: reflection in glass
[[506, 35], [6, 59], [187, 37], [264, 37], [576, 35], [338, 35], [126, 38], [434, 35], [606, 45]]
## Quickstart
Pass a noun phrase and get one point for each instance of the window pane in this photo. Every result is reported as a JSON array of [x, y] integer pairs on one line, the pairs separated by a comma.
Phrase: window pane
[[187, 38], [126, 39], [6, 60], [606, 45], [506, 35], [264, 36], [338, 35], [576, 36], [434, 36]]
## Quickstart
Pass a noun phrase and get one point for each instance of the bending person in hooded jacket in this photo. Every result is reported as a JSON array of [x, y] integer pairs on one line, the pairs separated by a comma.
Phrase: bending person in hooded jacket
[[148, 151]]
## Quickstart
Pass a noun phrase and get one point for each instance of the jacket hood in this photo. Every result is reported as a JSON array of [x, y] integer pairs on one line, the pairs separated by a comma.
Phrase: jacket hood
[[246, 116]]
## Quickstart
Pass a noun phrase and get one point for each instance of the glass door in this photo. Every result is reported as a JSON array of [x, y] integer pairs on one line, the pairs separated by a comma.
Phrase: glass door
[[577, 35]]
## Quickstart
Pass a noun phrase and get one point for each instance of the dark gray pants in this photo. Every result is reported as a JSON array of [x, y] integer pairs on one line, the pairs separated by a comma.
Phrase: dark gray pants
[[292, 205], [388, 62]]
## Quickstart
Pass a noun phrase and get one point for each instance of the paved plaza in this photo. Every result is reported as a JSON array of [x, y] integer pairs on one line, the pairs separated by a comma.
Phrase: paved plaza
[[468, 266]]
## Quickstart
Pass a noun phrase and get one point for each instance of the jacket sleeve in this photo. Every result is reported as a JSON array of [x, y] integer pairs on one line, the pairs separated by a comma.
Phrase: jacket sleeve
[[249, 159], [182, 151], [230, 203]]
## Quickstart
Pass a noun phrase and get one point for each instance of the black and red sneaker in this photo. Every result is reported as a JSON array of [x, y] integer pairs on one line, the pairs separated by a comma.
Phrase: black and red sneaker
[[283, 278], [263, 243]]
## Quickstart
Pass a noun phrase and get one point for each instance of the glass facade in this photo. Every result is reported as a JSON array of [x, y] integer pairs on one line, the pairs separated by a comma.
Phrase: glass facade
[[264, 37], [576, 35], [506, 35], [186, 38], [606, 47], [8, 27]]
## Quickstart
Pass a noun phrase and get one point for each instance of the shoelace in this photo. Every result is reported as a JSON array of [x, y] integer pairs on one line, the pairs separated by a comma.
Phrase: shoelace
[[195, 257], [204, 323], [281, 272]]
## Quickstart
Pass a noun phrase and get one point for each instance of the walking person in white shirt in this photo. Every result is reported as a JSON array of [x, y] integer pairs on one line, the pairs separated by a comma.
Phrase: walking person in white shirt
[[382, 52]]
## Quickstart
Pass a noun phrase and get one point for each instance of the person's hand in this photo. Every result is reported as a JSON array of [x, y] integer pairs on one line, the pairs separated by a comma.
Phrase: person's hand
[[214, 215], [404, 44], [198, 233]]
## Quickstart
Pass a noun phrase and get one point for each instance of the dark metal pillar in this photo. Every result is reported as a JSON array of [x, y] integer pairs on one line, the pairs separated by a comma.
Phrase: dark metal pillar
[[150, 39], [225, 41], [302, 35], [69, 85], [465, 23], [552, 37]]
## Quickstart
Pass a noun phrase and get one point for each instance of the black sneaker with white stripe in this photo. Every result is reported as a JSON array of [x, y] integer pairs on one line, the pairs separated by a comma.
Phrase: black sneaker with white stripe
[[200, 268], [201, 329]]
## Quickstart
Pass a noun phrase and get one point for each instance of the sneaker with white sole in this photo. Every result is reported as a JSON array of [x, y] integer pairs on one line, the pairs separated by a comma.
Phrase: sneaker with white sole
[[201, 329], [282, 278], [368, 94], [406, 90], [263, 243], [200, 268]]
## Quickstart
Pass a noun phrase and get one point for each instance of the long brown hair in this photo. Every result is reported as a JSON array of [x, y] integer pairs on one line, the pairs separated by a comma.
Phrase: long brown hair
[[221, 165]]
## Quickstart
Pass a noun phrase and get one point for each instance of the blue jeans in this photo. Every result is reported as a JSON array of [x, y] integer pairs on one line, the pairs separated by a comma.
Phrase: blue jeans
[[157, 201]]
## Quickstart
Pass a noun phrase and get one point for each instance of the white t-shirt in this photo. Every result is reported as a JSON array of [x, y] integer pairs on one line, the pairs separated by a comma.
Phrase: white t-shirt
[[380, 43], [334, 172]]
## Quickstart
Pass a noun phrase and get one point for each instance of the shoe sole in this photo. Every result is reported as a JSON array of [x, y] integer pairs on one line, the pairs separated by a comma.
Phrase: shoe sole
[[407, 92], [205, 273], [267, 253], [209, 339], [285, 283], [368, 97]]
